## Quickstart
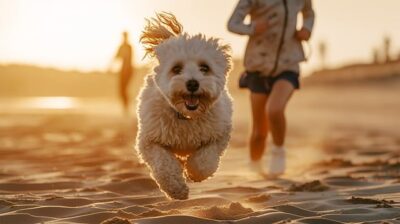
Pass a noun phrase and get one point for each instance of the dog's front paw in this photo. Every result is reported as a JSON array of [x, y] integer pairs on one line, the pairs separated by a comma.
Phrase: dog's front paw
[[178, 192], [197, 171]]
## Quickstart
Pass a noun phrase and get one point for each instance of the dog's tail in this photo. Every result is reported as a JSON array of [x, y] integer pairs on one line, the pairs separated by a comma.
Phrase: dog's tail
[[158, 29]]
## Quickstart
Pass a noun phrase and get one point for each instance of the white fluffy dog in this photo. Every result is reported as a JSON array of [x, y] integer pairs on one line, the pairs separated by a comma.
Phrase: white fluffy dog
[[184, 109]]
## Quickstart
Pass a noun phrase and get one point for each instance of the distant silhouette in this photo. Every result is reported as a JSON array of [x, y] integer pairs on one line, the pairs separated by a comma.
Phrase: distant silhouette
[[375, 55], [125, 55], [387, 44], [322, 54]]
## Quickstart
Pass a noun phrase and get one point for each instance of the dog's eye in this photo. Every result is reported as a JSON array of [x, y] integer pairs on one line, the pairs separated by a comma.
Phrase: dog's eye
[[177, 69], [204, 68]]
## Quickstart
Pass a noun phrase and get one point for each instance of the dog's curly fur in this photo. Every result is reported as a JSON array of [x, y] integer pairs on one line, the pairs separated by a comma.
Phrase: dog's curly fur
[[183, 133]]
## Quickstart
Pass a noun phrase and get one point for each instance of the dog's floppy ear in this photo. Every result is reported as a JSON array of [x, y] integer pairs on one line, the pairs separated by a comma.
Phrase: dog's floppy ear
[[158, 29], [226, 51]]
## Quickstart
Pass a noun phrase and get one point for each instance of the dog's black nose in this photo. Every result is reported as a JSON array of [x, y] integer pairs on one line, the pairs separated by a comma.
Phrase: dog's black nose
[[192, 85]]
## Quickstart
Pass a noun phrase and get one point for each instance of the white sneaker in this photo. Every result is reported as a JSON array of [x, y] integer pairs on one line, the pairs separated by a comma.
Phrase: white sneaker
[[256, 167], [276, 161]]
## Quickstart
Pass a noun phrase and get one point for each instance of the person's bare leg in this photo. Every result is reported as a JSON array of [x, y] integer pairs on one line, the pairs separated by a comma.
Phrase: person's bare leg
[[260, 125], [280, 95], [124, 84], [124, 98]]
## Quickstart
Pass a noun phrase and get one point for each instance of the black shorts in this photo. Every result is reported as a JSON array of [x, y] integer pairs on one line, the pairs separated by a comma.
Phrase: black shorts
[[263, 84]]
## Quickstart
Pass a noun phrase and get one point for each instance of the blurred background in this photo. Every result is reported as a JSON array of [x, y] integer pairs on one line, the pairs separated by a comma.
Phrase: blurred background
[[83, 35], [64, 48], [60, 57]]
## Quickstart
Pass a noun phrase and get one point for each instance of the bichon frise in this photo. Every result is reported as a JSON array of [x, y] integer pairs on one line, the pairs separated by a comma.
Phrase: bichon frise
[[184, 109]]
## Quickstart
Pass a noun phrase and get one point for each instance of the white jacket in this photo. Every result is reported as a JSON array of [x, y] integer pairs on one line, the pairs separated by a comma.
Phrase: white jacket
[[277, 49]]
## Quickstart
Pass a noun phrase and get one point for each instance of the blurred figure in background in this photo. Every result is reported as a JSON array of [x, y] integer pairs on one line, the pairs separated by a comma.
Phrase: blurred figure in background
[[322, 54], [124, 54], [387, 43], [272, 58]]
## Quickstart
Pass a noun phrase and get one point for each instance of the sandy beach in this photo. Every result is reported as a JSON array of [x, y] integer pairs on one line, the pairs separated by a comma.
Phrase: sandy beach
[[343, 167]]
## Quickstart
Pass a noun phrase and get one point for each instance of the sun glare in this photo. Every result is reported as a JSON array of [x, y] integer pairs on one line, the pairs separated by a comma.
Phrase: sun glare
[[57, 103], [85, 34], [60, 32]]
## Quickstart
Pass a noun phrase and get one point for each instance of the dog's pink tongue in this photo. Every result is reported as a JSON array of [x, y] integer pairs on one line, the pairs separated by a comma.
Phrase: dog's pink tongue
[[192, 100]]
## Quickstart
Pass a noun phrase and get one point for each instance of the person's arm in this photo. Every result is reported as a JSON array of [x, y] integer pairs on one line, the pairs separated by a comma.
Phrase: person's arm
[[308, 16], [119, 53], [308, 22], [111, 64], [236, 22]]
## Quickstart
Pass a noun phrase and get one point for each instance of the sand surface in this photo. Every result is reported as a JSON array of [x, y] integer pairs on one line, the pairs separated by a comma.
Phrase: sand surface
[[343, 166]]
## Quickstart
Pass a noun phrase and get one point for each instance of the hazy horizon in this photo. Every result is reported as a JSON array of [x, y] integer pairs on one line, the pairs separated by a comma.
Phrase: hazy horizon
[[84, 35]]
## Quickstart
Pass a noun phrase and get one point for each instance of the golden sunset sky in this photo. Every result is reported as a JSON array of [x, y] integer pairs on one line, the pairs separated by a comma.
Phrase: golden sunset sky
[[84, 34]]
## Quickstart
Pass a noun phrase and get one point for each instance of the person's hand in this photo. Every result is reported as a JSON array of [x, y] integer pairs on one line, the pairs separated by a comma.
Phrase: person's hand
[[303, 34], [260, 27]]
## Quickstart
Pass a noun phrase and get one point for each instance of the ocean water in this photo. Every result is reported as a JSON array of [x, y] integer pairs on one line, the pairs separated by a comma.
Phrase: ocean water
[[59, 104]]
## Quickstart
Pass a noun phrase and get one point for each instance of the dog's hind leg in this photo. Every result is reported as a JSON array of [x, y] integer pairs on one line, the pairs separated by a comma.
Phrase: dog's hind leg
[[166, 171], [205, 161]]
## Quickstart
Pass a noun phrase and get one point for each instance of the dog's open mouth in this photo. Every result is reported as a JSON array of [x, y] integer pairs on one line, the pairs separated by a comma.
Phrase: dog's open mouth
[[191, 101]]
